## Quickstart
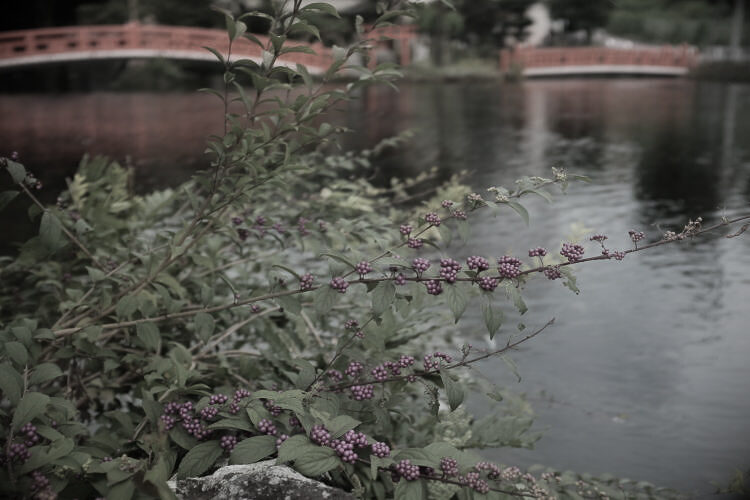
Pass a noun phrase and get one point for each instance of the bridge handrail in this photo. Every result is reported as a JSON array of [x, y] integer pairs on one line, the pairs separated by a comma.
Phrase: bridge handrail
[[139, 36], [532, 57]]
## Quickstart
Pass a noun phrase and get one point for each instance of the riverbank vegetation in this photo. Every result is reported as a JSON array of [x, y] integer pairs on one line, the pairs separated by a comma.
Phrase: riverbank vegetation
[[278, 305]]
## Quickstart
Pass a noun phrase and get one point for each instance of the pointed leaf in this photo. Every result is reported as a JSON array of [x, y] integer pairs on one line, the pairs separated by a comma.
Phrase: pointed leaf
[[32, 404], [453, 390], [199, 459], [493, 318], [254, 449]]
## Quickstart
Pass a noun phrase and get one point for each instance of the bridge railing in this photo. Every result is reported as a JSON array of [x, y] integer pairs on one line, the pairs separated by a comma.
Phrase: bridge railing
[[590, 56], [134, 36]]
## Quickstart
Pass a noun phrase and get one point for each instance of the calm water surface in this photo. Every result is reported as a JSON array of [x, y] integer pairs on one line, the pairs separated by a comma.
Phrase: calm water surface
[[646, 374]]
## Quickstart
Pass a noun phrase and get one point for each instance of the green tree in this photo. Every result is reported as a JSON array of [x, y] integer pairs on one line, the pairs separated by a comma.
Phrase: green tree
[[583, 15]]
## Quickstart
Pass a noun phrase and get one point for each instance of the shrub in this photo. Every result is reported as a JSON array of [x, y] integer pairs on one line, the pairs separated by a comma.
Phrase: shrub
[[277, 305]]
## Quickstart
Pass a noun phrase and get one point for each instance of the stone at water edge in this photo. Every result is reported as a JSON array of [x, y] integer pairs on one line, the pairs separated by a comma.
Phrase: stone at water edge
[[259, 481]]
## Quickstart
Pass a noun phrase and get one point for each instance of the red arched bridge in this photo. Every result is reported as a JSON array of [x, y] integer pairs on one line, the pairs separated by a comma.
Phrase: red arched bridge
[[134, 40], [562, 61]]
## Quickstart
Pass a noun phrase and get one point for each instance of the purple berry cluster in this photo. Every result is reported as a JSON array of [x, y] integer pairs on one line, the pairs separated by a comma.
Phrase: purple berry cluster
[[306, 281], [363, 268], [320, 435], [420, 265], [508, 267], [351, 324], [446, 203], [552, 272], [636, 236], [405, 229], [414, 243], [449, 466], [209, 413], [379, 373], [537, 252], [407, 470], [613, 254], [301, 229], [459, 214], [400, 279], [339, 284], [280, 440], [493, 471], [434, 287], [358, 439], [449, 269], [362, 392], [432, 218], [354, 369], [228, 442], [217, 399], [473, 481], [18, 452], [433, 361], [488, 283], [272, 408], [175, 412], [28, 430], [598, 237], [266, 427], [477, 263], [572, 251], [237, 221], [380, 449]]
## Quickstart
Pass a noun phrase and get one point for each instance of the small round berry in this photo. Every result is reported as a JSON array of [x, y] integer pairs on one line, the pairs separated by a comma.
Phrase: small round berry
[[228, 442], [552, 272], [407, 470], [488, 283], [405, 229], [380, 449], [449, 466], [339, 284], [432, 218], [434, 287], [414, 243], [306, 281], [477, 263], [572, 251], [363, 268], [420, 265], [362, 392]]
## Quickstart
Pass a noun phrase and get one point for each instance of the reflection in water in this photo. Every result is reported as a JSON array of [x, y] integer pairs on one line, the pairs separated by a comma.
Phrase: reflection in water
[[645, 374]]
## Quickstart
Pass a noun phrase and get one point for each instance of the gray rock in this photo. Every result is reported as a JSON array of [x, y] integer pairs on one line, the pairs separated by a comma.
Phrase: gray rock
[[260, 481]]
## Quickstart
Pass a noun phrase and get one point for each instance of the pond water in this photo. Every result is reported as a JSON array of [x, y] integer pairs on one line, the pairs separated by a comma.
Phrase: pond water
[[645, 374]]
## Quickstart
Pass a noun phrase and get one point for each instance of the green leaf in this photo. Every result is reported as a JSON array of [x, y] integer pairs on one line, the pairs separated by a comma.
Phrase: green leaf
[[251, 450], [148, 333], [199, 459], [50, 231], [458, 298], [289, 270], [316, 460], [6, 197], [44, 373], [94, 273], [123, 490], [204, 325], [453, 390], [377, 462], [520, 210], [126, 307], [515, 295], [541, 192], [324, 299], [410, 490], [323, 7], [293, 447], [339, 258], [17, 171], [512, 365], [339, 425], [383, 296], [220, 58], [11, 383], [31, 405], [493, 318], [17, 353]]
